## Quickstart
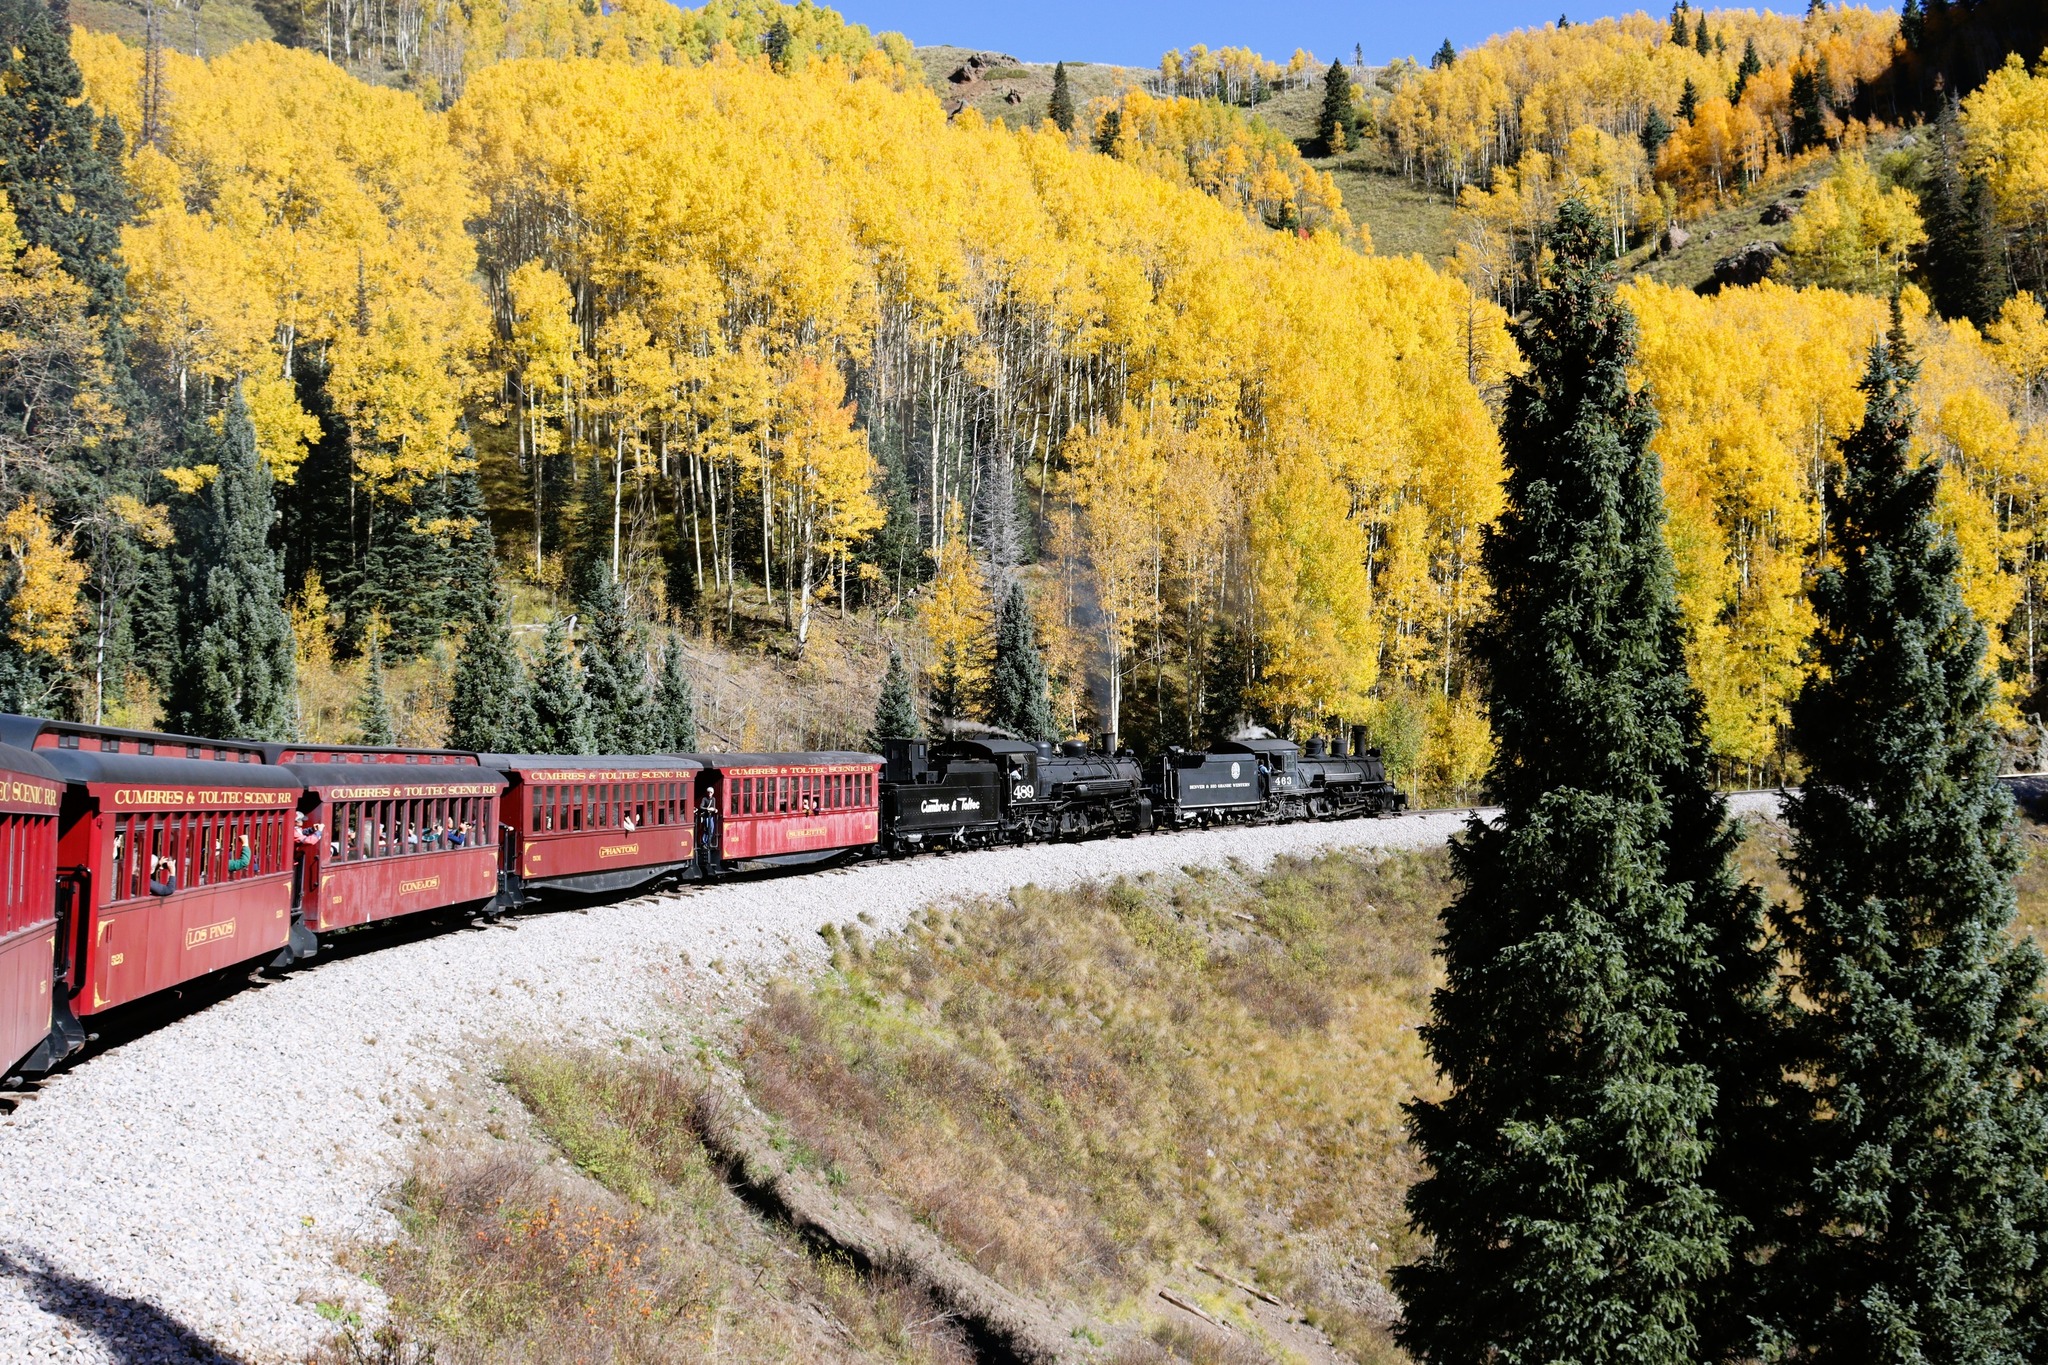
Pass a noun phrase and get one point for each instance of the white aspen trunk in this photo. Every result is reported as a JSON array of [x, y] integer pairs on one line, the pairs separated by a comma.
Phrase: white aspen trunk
[[618, 493]]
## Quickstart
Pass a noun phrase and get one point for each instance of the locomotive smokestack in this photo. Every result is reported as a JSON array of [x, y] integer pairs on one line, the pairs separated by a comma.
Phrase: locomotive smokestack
[[1358, 744]]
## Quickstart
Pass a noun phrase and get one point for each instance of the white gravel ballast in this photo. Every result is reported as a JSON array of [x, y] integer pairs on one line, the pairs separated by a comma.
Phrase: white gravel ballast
[[182, 1197]]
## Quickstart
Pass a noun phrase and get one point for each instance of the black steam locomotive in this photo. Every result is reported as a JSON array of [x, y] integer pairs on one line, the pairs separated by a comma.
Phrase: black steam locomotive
[[970, 793], [974, 793], [1270, 780]]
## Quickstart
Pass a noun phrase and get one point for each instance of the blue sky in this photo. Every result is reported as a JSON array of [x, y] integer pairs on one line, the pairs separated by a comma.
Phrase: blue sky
[[1135, 32]]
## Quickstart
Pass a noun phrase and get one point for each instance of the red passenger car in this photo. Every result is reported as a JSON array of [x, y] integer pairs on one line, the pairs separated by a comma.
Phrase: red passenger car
[[389, 832], [29, 797], [594, 825], [791, 808], [177, 862]]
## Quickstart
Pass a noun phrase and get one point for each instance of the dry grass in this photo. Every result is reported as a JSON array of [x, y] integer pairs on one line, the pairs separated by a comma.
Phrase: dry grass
[[1766, 842], [612, 1238], [1081, 1090]]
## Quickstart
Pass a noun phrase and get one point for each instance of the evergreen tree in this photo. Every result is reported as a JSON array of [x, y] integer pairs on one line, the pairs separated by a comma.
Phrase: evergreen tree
[[1061, 109], [675, 705], [1445, 56], [1679, 32], [1921, 1145], [1016, 689], [472, 553], [1965, 252], [1656, 132], [1912, 25], [1701, 43], [615, 674], [1809, 111], [372, 711], [489, 710], [1106, 135], [896, 712], [1689, 101], [1337, 122], [62, 168], [236, 673], [776, 44], [1750, 67], [1602, 988], [561, 713]]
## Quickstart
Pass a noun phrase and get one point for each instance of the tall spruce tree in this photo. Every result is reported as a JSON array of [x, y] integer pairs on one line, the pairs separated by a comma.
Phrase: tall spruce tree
[[1809, 112], [1656, 132], [561, 713], [1337, 123], [472, 554], [1921, 1143], [1701, 43], [61, 169], [1680, 34], [1017, 699], [1748, 70], [1689, 101], [1445, 56], [896, 712], [372, 709], [1061, 107], [615, 673], [1602, 988], [675, 705], [236, 673], [489, 709]]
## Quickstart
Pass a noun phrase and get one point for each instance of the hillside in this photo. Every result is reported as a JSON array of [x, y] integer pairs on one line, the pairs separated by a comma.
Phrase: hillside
[[199, 29], [1119, 1107], [1015, 93]]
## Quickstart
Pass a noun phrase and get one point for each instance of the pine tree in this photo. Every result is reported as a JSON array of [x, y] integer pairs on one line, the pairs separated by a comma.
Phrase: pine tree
[[372, 710], [615, 673], [1965, 251], [1809, 111], [473, 558], [236, 674], [561, 713], [675, 705], [1337, 121], [62, 169], [1679, 32], [1701, 43], [776, 44], [1750, 67], [1689, 101], [896, 712], [1445, 56], [1656, 132], [1601, 984], [1061, 109], [1921, 1145], [489, 710], [1912, 25], [1016, 687]]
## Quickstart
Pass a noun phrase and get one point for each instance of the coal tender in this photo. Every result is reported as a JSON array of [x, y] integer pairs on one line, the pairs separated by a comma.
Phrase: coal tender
[[967, 793]]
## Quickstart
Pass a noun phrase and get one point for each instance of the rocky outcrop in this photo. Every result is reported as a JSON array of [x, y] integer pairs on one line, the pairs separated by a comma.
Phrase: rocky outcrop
[[1751, 265]]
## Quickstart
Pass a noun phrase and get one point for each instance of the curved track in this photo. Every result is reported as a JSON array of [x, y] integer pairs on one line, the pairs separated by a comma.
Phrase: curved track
[[182, 1195]]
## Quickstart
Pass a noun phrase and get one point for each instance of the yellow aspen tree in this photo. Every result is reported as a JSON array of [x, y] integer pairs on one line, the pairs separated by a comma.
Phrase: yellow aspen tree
[[955, 617], [46, 610], [827, 478]]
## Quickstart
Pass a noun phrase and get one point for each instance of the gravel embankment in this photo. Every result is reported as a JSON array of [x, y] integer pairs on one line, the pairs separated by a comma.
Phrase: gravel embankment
[[182, 1197]]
